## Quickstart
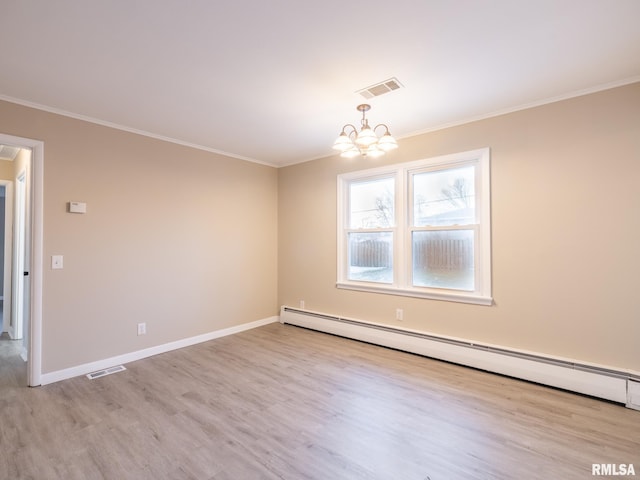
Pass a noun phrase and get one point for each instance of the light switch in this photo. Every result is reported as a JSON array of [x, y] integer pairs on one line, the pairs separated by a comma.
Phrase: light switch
[[56, 262]]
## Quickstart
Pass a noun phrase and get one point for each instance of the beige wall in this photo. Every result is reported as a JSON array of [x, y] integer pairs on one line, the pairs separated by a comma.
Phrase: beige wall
[[6, 170], [181, 239], [565, 232]]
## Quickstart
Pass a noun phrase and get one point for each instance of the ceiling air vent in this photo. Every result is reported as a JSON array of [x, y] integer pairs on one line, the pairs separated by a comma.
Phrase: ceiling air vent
[[380, 88], [8, 153]]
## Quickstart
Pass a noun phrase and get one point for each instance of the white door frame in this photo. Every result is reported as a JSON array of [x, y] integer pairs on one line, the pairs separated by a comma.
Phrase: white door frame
[[34, 370]]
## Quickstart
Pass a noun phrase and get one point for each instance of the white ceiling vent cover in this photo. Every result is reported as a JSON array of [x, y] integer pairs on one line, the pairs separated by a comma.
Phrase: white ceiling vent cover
[[380, 88], [106, 371], [8, 153]]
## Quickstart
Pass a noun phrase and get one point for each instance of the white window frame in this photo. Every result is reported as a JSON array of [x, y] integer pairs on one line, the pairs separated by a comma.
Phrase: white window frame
[[402, 248]]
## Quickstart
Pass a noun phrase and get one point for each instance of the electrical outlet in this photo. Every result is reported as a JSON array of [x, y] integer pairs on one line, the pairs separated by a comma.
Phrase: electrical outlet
[[399, 314], [301, 303], [142, 329]]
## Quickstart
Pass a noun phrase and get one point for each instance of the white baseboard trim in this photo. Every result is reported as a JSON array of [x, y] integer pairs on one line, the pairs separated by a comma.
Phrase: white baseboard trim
[[622, 386], [86, 368]]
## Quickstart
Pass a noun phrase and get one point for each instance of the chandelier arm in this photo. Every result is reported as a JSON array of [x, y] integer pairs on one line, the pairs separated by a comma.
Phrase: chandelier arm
[[382, 125], [354, 130]]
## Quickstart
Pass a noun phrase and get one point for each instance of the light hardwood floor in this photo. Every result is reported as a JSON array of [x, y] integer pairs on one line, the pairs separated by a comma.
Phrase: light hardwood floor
[[280, 402]]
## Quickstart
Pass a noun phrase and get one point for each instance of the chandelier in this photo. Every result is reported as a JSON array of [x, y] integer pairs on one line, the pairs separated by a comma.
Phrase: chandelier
[[352, 143]]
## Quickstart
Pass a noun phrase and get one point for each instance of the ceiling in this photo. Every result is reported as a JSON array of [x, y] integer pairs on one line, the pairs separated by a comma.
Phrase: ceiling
[[273, 81]]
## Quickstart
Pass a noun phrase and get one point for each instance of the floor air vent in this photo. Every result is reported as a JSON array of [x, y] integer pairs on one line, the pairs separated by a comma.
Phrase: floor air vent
[[106, 371]]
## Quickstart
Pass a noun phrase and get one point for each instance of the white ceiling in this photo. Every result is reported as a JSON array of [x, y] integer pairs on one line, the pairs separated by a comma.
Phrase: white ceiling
[[273, 81]]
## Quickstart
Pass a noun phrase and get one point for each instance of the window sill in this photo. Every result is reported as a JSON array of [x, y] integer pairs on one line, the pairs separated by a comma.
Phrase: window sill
[[449, 296]]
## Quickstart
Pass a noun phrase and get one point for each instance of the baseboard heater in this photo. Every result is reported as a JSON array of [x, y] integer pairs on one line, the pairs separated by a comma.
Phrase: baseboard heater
[[597, 381]]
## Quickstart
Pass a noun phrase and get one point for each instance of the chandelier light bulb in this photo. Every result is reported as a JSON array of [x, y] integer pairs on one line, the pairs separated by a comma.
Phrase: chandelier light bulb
[[366, 137], [387, 142], [343, 142], [373, 151], [351, 153]]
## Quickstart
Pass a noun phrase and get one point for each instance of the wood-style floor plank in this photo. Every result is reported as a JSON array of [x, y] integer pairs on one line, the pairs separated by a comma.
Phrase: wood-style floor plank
[[281, 402]]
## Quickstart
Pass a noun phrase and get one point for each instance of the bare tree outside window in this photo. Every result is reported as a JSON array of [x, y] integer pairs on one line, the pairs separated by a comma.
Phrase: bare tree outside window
[[458, 193], [384, 209]]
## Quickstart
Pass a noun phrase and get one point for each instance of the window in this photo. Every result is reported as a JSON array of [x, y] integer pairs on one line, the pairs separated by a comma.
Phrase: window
[[418, 229]]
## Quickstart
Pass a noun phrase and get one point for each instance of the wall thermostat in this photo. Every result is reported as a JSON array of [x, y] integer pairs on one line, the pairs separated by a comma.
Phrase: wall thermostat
[[77, 207]]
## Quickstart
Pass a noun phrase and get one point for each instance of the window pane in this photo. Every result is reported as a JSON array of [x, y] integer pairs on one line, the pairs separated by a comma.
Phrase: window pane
[[371, 257], [371, 203], [443, 259], [444, 197]]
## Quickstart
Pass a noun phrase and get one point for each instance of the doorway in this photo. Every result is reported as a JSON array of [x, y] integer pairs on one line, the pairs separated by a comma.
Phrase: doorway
[[19, 285], [23, 267]]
